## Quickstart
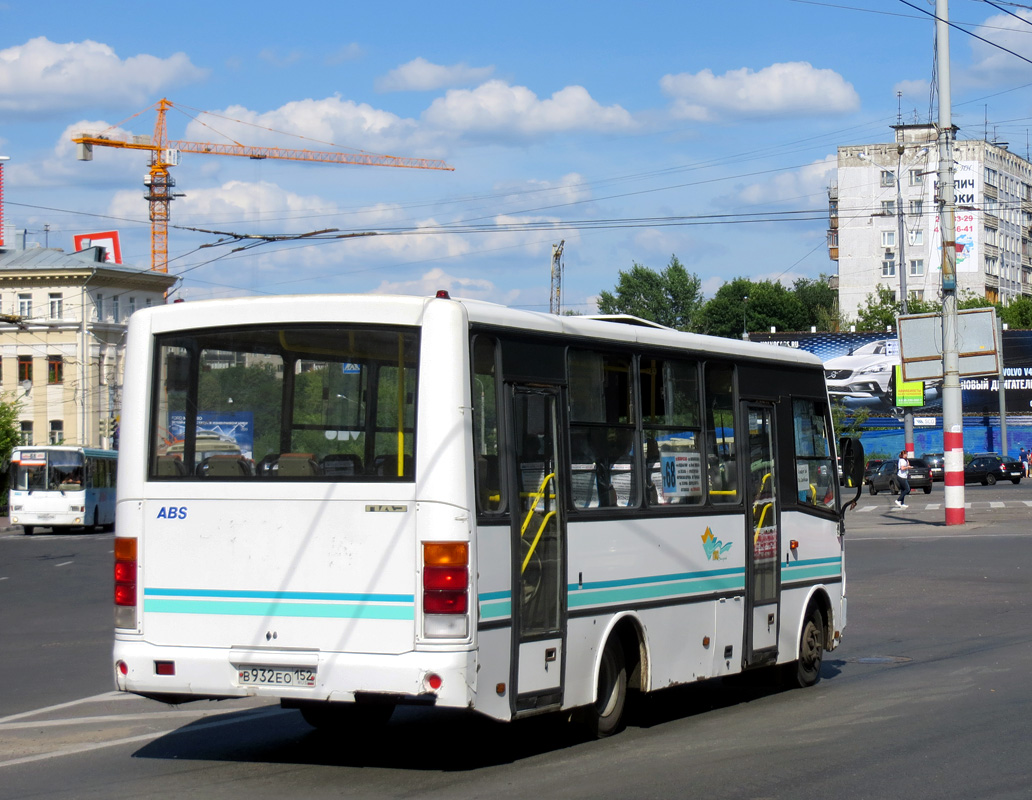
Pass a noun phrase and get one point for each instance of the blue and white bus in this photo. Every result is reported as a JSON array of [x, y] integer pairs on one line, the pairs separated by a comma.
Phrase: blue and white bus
[[455, 504], [62, 486]]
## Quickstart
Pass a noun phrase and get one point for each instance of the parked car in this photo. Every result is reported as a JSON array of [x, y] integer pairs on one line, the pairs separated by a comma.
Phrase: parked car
[[885, 480], [988, 468], [935, 464], [871, 467]]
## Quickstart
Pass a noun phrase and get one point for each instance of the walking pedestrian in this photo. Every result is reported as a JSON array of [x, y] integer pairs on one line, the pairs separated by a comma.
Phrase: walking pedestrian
[[1024, 462], [903, 478]]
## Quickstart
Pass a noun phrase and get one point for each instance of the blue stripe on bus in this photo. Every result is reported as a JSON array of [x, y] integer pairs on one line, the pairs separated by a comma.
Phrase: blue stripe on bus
[[275, 609], [277, 595], [678, 576]]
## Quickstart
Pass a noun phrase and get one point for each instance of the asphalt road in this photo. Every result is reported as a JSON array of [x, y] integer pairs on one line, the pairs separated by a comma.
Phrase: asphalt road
[[928, 697]]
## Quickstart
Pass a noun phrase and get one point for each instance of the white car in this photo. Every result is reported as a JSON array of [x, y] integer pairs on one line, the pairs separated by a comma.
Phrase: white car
[[866, 373]]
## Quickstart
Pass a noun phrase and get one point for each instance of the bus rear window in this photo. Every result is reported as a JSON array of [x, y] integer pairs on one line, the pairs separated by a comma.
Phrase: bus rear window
[[295, 402]]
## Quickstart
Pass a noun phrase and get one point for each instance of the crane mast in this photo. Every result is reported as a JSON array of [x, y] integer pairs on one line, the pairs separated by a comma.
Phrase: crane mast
[[164, 153]]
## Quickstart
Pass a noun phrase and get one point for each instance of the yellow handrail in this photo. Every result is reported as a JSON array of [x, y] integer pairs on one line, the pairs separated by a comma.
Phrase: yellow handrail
[[759, 524], [536, 498]]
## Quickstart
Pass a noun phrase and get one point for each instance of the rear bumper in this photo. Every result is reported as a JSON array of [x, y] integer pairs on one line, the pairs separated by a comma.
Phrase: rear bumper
[[214, 673]]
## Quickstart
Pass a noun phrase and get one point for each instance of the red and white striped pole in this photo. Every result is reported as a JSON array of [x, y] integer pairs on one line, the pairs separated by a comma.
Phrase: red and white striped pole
[[952, 403]]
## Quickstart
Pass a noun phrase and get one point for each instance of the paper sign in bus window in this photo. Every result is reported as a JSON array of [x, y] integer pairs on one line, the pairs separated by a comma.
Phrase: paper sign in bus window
[[682, 475]]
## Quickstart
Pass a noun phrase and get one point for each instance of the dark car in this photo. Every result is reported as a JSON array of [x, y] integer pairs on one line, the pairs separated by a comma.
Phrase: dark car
[[988, 468], [872, 467], [885, 480], [935, 464]]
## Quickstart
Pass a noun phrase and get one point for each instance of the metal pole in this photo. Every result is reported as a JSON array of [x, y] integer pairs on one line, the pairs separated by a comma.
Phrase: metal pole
[[908, 414], [952, 405], [1003, 394]]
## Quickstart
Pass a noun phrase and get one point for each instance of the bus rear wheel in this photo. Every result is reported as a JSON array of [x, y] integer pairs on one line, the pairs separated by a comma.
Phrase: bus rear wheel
[[605, 716], [28, 529], [806, 670]]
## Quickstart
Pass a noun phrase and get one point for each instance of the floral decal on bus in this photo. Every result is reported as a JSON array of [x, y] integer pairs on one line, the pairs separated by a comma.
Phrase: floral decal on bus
[[715, 549]]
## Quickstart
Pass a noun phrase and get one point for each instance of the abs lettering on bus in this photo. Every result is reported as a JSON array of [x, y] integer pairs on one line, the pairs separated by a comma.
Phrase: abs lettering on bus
[[172, 512]]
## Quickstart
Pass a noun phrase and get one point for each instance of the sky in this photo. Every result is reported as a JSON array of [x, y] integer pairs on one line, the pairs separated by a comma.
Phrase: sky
[[631, 133]]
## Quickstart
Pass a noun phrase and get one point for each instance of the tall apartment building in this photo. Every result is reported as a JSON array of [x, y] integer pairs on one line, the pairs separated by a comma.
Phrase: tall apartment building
[[880, 186], [63, 319]]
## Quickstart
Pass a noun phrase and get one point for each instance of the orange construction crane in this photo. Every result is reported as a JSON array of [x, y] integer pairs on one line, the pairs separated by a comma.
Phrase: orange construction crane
[[165, 153]]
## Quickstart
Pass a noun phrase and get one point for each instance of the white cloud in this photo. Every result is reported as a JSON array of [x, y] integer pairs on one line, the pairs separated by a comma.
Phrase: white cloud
[[349, 52], [798, 186], [43, 76], [778, 90], [419, 75], [992, 65], [497, 108], [458, 286], [332, 119]]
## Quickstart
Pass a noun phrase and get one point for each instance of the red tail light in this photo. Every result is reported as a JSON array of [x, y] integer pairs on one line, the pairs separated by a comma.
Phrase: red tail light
[[125, 582], [445, 577]]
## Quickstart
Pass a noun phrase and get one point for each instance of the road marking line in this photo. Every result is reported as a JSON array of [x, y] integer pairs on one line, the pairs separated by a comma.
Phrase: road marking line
[[86, 748], [64, 564], [69, 704]]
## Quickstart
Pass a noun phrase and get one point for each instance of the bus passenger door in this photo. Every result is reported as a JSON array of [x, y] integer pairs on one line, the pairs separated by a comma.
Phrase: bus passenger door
[[538, 551], [763, 535]]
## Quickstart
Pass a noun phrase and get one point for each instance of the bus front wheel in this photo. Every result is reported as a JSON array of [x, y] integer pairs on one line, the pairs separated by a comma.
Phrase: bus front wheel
[[605, 716], [28, 529], [806, 670]]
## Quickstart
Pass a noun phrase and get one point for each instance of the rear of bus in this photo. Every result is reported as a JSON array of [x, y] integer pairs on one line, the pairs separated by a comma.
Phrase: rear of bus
[[324, 557]]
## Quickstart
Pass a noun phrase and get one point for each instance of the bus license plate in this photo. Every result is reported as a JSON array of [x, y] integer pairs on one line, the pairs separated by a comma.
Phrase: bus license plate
[[276, 676]]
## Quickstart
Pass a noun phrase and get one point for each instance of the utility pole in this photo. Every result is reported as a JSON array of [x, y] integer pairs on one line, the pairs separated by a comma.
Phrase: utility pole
[[952, 404], [555, 292], [908, 414]]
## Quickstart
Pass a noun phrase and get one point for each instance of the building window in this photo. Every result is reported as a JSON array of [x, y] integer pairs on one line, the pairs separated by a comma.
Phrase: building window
[[25, 305], [888, 178], [888, 269], [148, 302], [114, 309], [992, 266], [26, 432], [24, 369], [99, 305], [56, 306], [916, 208], [917, 294], [991, 236], [56, 431], [916, 177], [915, 238], [888, 239], [990, 176], [888, 208], [132, 306], [55, 369], [916, 267]]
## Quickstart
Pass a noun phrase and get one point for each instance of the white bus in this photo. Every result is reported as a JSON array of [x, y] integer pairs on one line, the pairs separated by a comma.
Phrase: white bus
[[62, 486], [456, 504]]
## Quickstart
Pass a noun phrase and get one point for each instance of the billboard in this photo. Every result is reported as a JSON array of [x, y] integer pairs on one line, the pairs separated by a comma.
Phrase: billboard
[[859, 368]]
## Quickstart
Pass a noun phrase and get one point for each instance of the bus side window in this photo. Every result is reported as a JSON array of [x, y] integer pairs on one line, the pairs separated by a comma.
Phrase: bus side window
[[484, 389], [721, 454]]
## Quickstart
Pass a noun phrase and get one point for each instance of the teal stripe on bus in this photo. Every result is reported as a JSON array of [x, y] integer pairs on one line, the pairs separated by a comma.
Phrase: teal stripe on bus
[[645, 590], [274, 609], [260, 594]]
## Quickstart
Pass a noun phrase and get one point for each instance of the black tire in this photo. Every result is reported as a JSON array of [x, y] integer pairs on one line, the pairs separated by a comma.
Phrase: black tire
[[28, 529], [893, 488], [806, 670], [605, 716], [871, 489], [1015, 481], [347, 717], [990, 479], [928, 490]]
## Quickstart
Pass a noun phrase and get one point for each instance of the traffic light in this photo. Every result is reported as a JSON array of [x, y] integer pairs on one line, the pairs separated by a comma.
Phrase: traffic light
[[107, 426]]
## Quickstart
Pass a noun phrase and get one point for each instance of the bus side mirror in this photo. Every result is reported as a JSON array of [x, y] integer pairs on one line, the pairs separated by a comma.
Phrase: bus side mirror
[[851, 453]]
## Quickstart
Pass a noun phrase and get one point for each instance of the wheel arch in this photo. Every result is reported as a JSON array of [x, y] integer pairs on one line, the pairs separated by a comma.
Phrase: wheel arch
[[631, 634], [820, 600]]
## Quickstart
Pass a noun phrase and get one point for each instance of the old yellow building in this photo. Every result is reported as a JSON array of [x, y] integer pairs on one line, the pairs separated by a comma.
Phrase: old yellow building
[[63, 320]]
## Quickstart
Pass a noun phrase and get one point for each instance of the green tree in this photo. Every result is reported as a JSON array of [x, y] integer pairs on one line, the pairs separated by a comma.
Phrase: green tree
[[819, 302], [10, 435], [672, 297], [742, 304], [1018, 315]]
